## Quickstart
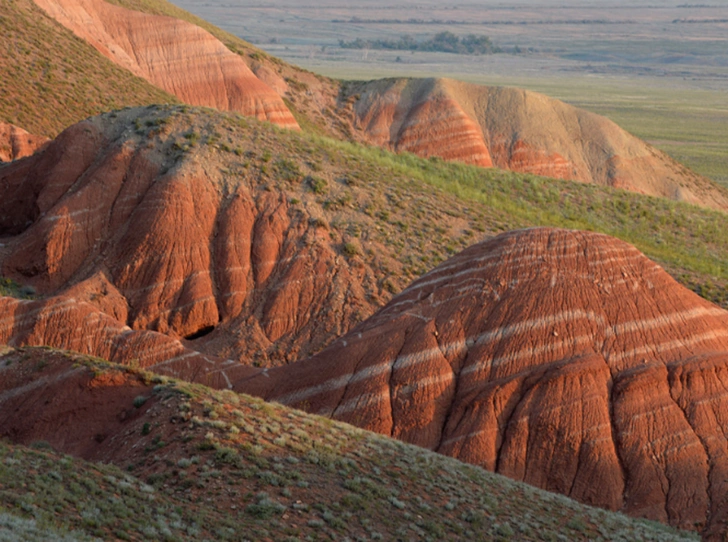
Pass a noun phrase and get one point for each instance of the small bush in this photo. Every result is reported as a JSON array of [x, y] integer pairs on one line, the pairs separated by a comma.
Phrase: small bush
[[264, 507], [350, 249], [317, 184]]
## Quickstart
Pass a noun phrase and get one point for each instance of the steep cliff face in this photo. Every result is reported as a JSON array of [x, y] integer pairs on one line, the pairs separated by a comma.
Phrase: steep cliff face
[[520, 131], [564, 359], [17, 143], [174, 55]]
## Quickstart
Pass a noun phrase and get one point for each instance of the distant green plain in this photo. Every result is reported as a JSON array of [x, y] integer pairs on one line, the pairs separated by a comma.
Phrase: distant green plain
[[691, 125]]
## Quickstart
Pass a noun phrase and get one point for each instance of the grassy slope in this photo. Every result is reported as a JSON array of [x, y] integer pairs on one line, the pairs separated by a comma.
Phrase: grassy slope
[[51, 79], [408, 214], [237, 465]]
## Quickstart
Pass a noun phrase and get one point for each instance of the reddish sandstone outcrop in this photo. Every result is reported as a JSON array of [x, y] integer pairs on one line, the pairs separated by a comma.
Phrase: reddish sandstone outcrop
[[418, 117], [172, 54], [521, 131], [126, 239], [73, 324], [17, 143], [564, 359]]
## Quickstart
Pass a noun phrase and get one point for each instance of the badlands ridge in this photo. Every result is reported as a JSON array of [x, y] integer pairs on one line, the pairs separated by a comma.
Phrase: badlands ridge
[[487, 126], [551, 356], [563, 359]]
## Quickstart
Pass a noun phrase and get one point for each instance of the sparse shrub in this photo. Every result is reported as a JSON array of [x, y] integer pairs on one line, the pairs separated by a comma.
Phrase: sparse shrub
[[192, 137], [264, 507], [41, 445], [577, 524], [227, 456], [350, 249], [288, 170], [319, 223], [504, 530], [317, 184], [8, 287]]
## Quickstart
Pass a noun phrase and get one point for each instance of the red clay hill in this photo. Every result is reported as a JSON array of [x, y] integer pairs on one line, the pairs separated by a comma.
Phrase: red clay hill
[[521, 131], [172, 54], [142, 249], [564, 359], [486, 126]]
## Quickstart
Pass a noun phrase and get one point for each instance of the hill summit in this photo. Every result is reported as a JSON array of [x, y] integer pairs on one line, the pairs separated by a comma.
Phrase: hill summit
[[520, 131], [564, 359]]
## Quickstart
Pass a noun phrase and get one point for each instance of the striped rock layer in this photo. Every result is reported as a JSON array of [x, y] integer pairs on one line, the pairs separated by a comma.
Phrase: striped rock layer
[[521, 131], [143, 256], [485, 126], [564, 359], [174, 55], [416, 117], [16, 143]]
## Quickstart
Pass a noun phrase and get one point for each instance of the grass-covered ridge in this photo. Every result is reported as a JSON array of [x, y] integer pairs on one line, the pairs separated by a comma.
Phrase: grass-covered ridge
[[677, 234], [52, 79], [404, 214], [201, 464]]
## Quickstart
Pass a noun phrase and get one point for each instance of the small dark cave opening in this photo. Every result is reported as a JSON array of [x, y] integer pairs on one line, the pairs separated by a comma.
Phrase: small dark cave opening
[[200, 333]]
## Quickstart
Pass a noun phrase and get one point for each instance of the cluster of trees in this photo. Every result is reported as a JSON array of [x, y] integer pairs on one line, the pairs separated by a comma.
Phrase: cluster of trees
[[444, 42]]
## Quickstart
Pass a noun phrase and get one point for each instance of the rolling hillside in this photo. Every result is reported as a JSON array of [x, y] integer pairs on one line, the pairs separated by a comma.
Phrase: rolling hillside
[[356, 268], [52, 79], [185, 462], [306, 236], [512, 129], [563, 359]]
